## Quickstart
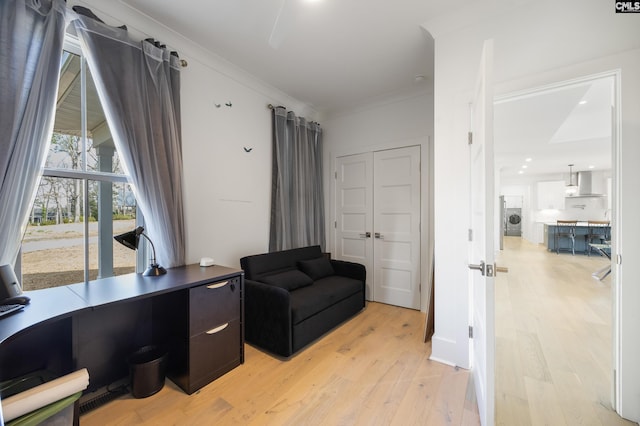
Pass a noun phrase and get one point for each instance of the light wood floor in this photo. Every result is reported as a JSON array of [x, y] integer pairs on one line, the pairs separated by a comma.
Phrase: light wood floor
[[553, 364], [553, 339], [372, 370]]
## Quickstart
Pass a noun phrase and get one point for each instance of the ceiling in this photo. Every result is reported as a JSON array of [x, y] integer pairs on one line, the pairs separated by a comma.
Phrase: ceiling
[[554, 128], [336, 55], [329, 54]]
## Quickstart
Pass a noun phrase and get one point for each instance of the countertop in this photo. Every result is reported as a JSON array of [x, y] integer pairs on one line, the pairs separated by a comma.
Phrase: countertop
[[580, 223]]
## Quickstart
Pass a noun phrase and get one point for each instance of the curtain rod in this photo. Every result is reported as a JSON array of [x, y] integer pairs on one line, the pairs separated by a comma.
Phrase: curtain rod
[[271, 106]]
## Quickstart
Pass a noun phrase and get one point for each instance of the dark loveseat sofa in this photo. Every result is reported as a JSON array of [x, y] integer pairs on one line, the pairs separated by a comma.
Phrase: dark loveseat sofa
[[292, 297]]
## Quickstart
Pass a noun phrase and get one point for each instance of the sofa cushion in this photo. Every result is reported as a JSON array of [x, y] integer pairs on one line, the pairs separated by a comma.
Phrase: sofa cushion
[[262, 264], [324, 292], [317, 268], [289, 280]]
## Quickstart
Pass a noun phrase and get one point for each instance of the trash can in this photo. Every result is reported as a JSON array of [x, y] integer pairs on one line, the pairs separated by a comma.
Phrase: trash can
[[147, 368]]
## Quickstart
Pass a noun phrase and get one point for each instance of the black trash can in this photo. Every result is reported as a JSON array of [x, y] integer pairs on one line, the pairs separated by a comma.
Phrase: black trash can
[[147, 368]]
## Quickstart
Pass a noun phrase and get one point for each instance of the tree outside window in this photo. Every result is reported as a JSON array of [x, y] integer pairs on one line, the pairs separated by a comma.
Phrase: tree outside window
[[84, 197]]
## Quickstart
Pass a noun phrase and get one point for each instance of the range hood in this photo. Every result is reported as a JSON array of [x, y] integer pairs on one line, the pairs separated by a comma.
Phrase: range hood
[[585, 186]]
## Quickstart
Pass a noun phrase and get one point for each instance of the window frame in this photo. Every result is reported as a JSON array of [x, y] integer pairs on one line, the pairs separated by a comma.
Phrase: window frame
[[72, 45]]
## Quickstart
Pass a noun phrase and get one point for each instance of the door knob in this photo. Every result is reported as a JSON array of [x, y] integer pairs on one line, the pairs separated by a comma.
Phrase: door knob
[[379, 236], [480, 267], [503, 269], [366, 235], [488, 270]]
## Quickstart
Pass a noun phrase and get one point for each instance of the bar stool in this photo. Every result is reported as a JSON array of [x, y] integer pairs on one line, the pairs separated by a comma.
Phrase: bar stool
[[566, 229], [597, 230]]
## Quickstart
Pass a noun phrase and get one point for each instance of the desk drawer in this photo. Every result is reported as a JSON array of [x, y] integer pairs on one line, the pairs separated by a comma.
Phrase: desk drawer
[[214, 352], [213, 304]]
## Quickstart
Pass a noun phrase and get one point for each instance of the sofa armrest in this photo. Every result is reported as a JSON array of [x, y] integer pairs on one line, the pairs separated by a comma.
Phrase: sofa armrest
[[268, 317], [349, 269]]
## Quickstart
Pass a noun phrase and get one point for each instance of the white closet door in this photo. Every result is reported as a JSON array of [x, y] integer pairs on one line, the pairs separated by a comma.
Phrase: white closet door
[[354, 212], [396, 221]]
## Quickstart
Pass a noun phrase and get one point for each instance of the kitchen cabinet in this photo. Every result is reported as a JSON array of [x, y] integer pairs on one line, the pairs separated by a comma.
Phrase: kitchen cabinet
[[551, 195], [581, 246]]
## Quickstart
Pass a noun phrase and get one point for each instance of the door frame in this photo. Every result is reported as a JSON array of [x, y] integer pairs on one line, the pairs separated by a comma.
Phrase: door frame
[[426, 203], [616, 223]]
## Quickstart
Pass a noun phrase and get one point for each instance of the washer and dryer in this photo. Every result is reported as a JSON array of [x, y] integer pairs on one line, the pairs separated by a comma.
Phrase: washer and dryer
[[513, 222]]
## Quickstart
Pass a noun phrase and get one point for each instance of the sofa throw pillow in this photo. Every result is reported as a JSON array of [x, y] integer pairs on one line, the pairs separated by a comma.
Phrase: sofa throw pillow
[[289, 280], [316, 268]]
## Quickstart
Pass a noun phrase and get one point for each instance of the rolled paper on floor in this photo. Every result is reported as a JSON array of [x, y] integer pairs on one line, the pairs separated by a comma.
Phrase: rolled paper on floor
[[44, 394]]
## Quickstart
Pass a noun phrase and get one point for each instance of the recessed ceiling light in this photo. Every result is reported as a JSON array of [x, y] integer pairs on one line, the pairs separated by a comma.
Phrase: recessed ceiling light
[[521, 172], [528, 160], [592, 166], [582, 102], [524, 166]]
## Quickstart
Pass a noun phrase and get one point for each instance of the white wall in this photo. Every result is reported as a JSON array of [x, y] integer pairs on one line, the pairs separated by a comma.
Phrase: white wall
[[536, 43], [392, 124]]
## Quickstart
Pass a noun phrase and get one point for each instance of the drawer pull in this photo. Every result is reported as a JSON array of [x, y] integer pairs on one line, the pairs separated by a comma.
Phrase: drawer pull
[[218, 329], [218, 285]]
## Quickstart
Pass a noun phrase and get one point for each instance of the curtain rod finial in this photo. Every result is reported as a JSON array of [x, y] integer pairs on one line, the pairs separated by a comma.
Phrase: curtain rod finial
[[183, 62]]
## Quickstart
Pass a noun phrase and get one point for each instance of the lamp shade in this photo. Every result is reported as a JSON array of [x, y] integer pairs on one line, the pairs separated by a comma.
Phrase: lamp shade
[[131, 240]]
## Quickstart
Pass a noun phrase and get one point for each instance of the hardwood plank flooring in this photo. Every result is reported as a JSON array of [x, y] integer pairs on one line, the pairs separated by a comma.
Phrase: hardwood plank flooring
[[372, 370], [553, 339], [553, 364]]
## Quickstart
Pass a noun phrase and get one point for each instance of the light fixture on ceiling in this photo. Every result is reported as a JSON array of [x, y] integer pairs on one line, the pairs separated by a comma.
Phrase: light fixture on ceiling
[[571, 188]]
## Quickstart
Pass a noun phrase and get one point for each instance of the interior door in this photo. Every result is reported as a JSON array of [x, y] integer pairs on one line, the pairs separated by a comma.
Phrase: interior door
[[481, 246], [396, 221], [354, 212]]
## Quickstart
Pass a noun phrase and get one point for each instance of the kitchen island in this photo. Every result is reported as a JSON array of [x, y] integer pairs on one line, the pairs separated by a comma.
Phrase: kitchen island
[[582, 229]]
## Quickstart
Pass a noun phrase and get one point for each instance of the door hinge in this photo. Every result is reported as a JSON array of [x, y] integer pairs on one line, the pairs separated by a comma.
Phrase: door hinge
[[335, 175], [619, 259], [335, 224], [470, 234], [470, 332], [470, 138]]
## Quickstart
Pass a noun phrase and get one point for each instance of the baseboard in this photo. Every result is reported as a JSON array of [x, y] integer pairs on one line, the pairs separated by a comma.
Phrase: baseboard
[[445, 351]]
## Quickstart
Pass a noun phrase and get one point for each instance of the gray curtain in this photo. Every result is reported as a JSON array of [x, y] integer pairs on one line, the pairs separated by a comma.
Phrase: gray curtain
[[297, 196], [139, 87], [31, 39]]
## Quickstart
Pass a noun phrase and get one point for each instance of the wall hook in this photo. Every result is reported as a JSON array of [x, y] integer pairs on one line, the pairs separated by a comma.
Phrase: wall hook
[[228, 104], [247, 149], [217, 105]]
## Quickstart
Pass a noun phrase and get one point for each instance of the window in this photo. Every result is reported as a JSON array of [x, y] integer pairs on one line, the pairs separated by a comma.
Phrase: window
[[84, 197]]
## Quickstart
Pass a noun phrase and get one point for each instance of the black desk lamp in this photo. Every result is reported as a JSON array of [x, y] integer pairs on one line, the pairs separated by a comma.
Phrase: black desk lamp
[[131, 239]]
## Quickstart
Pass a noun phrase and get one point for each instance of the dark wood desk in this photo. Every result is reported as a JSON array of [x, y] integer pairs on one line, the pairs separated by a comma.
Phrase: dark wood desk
[[97, 325]]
